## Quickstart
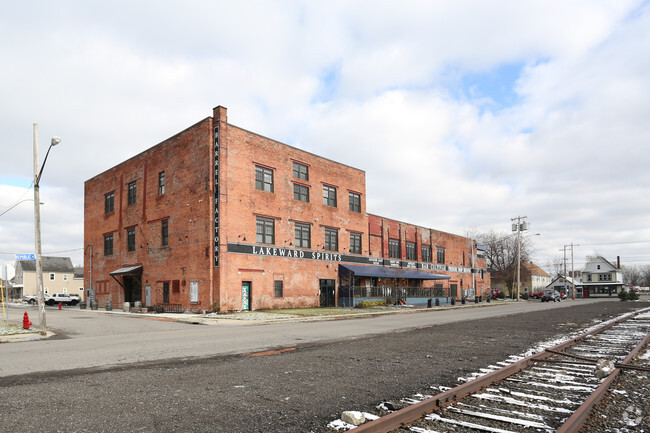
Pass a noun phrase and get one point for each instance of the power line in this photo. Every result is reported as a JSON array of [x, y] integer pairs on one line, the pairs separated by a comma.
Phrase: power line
[[616, 243]]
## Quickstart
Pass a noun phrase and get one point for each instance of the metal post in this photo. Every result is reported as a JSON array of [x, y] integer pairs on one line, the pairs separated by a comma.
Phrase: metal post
[[90, 283], [37, 238]]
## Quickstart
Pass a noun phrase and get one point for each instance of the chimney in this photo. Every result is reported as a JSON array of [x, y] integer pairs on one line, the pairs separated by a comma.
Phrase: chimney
[[618, 262]]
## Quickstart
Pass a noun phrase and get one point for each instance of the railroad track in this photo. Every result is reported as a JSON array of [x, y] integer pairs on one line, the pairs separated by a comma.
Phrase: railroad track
[[550, 391]]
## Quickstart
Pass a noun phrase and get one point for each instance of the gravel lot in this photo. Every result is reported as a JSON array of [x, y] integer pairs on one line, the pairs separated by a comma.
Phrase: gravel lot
[[299, 390]]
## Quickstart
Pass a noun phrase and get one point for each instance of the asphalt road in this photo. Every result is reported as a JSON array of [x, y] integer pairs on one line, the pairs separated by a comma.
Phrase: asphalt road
[[87, 338], [167, 377]]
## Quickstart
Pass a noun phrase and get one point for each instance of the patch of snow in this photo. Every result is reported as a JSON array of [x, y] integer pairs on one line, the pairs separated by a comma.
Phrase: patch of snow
[[436, 417], [339, 425], [517, 421], [515, 402]]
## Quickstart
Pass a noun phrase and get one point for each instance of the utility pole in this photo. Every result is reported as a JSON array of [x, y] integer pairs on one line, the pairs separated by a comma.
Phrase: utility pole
[[573, 283], [573, 276], [518, 227]]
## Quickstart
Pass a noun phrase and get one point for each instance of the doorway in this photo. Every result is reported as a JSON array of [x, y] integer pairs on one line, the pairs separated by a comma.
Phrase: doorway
[[147, 296], [453, 290], [327, 293], [246, 295], [132, 289]]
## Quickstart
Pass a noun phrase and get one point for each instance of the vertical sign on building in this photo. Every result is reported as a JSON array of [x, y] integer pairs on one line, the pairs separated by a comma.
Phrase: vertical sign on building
[[216, 196]]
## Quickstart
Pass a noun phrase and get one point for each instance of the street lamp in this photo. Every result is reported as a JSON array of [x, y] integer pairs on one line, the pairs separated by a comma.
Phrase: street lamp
[[37, 226], [519, 227]]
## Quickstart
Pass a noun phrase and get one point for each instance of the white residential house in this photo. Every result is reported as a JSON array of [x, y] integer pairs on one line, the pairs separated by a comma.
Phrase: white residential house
[[58, 277], [600, 278], [565, 284], [533, 278]]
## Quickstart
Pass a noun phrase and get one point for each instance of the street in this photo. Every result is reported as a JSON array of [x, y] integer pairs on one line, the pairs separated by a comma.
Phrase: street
[[86, 338], [121, 372]]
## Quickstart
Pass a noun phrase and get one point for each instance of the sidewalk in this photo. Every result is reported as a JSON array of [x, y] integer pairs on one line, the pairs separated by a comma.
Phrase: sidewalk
[[242, 318]]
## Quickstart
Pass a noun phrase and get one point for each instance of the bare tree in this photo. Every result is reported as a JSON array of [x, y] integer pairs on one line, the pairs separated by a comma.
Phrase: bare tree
[[645, 276], [632, 275], [501, 255], [555, 265]]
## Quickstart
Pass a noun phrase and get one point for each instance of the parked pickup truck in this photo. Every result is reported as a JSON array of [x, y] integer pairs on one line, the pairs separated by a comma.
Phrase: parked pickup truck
[[64, 298]]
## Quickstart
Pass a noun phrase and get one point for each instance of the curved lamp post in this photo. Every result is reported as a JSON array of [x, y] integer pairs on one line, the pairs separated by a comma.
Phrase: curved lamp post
[[37, 226]]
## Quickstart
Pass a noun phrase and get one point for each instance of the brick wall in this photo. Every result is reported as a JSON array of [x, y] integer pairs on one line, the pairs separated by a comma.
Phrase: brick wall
[[242, 203], [185, 205], [188, 205]]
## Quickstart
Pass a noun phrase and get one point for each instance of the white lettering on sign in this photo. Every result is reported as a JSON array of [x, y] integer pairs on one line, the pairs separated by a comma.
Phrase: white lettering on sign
[[296, 254]]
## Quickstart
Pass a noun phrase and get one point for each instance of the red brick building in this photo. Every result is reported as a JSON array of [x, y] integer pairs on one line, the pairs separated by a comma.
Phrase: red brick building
[[220, 218]]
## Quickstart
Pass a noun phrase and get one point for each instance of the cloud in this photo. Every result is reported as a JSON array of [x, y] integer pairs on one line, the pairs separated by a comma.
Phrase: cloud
[[463, 114]]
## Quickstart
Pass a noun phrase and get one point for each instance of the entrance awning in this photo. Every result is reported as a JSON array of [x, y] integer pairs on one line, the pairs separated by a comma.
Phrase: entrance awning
[[385, 272], [128, 270]]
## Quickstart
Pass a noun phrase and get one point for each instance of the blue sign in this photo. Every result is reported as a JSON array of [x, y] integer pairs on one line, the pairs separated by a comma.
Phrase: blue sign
[[20, 257]]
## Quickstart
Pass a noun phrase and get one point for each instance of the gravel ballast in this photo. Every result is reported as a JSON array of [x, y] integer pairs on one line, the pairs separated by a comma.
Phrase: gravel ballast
[[300, 390]]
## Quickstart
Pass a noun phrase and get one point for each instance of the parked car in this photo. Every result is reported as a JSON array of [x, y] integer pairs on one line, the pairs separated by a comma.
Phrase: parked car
[[62, 298], [551, 295], [536, 295], [494, 293], [31, 300]]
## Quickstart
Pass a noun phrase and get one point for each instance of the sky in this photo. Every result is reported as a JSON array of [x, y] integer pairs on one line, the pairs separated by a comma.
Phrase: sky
[[464, 114]]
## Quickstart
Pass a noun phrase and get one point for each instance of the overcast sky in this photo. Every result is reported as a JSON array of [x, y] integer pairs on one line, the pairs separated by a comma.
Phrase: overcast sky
[[463, 114]]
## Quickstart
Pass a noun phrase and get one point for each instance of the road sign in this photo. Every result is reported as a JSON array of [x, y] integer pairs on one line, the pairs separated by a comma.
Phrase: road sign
[[20, 257]]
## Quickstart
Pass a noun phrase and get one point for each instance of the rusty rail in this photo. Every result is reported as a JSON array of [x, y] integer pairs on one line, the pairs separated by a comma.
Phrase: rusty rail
[[575, 422], [407, 415]]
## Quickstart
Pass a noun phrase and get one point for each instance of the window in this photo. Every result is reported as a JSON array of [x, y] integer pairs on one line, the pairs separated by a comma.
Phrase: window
[[265, 231], [300, 192], [165, 294], [263, 178], [393, 249], [65, 277], [355, 243], [355, 202], [130, 239], [604, 277], [301, 171], [440, 253], [109, 202], [165, 232], [161, 183], [52, 276], [426, 253], [303, 235], [331, 239], [410, 251], [108, 244], [277, 286], [329, 195], [132, 192]]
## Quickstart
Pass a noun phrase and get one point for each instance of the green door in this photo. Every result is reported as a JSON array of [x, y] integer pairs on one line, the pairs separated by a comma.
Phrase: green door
[[246, 295]]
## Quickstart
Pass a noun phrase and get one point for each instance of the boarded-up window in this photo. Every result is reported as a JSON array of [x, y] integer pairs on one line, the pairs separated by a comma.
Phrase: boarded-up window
[[194, 291]]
